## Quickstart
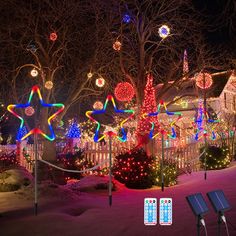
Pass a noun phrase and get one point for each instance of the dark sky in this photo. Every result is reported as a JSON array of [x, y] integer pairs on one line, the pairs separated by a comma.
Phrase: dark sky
[[220, 16]]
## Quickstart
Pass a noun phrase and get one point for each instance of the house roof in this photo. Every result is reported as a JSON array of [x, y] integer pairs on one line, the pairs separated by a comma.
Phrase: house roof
[[189, 87]]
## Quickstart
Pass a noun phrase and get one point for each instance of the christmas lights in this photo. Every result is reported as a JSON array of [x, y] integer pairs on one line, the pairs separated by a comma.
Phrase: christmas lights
[[149, 105], [90, 75], [161, 128], [34, 72], [74, 131], [124, 91], [117, 45], [48, 85], [100, 82], [53, 36], [203, 80], [29, 111], [98, 112], [126, 18], [164, 31], [98, 105], [35, 130], [203, 123]]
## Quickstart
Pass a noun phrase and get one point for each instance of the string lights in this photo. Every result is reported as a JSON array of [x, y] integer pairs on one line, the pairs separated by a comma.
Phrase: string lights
[[124, 91], [203, 80]]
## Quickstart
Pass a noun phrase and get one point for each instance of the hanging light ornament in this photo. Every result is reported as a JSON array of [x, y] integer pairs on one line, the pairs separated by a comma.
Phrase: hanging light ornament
[[203, 80], [48, 85], [126, 18], [164, 31], [34, 72], [29, 111], [100, 82], [98, 105], [117, 45], [53, 36], [90, 75], [124, 91]]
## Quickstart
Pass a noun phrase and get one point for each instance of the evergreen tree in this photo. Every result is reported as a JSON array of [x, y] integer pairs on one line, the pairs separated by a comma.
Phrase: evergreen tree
[[149, 105], [74, 131]]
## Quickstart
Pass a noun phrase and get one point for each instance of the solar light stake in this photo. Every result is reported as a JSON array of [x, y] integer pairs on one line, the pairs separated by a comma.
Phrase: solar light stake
[[162, 161], [110, 176], [36, 174]]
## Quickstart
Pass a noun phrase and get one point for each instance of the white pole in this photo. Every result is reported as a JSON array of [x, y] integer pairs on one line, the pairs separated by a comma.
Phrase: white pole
[[162, 161], [36, 174], [110, 164]]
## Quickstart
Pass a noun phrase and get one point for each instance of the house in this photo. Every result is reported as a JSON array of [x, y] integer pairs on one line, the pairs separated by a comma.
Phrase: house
[[220, 100]]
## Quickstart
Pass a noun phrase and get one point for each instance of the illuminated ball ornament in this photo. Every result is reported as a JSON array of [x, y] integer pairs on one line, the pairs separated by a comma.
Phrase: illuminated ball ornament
[[29, 111], [200, 77], [98, 105], [53, 36], [117, 45], [100, 82], [34, 72], [90, 75], [124, 91], [164, 31], [126, 18], [49, 85]]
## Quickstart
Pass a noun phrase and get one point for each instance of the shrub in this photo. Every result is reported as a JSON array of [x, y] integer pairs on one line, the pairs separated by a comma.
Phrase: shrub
[[74, 161], [169, 172], [135, 169], [216, 157], [9, 187]]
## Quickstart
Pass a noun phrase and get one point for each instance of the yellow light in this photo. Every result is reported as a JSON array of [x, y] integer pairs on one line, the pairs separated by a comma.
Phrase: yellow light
[[100, 82], [164, 31], [90, 75], [34, 72], [117, 45], [49, 85]]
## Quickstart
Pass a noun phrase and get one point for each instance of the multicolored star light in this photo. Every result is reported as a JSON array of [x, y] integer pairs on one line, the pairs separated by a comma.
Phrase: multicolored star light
[[161, 129], [89, 114], [201, 124], [36, 130]]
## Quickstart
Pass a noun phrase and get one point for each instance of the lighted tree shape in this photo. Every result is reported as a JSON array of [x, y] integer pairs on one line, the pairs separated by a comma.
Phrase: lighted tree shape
[[149, 106], [74, 130], [21, 133]]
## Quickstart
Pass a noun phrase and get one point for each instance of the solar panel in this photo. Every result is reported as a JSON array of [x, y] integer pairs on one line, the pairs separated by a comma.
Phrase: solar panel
[[197, 204], [218, 201]]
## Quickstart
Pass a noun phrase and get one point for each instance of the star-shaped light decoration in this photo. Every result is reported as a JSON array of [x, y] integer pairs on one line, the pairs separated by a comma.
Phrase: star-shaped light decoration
[[161, 129], [123, 136], [201, 124], [36, 130]]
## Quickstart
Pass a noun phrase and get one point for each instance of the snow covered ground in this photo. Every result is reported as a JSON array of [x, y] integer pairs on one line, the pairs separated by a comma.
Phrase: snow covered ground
[[63, 211]]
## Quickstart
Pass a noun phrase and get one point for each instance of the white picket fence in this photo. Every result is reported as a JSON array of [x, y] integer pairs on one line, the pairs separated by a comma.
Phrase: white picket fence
[[187, 155]]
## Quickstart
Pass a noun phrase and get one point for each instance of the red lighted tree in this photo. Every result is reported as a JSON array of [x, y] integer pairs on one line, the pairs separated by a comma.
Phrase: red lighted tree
[[149, 105]]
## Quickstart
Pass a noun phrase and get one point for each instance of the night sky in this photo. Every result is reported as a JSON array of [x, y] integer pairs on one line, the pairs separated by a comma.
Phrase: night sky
[[220, 17]]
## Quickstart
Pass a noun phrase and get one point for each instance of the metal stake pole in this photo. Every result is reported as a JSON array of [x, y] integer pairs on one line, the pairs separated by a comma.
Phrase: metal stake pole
[[36, 175], [110, 174], [162, 161]]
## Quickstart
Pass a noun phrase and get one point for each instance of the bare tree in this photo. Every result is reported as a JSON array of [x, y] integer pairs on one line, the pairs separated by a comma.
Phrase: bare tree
[[86, 31]]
